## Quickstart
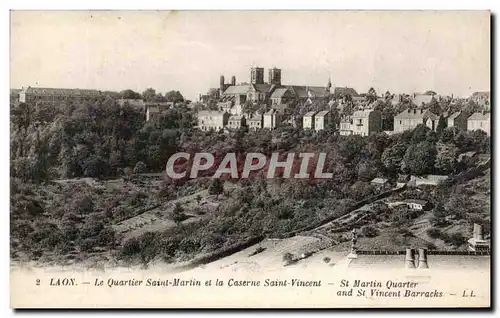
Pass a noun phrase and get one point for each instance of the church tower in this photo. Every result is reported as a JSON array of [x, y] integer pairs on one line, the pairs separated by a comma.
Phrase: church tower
[[221, 84], [257, 75], [275, 76]]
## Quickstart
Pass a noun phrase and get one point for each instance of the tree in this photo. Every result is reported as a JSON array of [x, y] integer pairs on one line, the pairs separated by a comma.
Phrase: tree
[[140, 167], [178, 214], [419, 134], [129, 94], [392, 157], [149, 95], [288, 258], [419, 158], [434, 107], [446, 158], [174, 96], [216, 187], [371, 96], [441, 125]]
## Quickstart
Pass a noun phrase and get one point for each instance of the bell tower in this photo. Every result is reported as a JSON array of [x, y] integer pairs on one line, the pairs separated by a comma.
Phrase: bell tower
[[275, 76], [257, 75]]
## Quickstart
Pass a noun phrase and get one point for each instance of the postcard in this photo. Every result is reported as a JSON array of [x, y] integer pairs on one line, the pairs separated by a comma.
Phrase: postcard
[[250, 159]]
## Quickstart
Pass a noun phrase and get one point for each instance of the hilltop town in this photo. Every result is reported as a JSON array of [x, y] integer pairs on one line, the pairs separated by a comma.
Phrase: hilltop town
[[258, 104], [401, 165]]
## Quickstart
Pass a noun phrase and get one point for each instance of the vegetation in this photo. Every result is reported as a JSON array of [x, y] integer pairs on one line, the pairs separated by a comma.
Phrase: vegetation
[[107, 142]]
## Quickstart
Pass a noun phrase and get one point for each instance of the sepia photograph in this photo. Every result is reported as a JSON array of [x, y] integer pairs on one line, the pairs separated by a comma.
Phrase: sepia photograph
[[250, 159]]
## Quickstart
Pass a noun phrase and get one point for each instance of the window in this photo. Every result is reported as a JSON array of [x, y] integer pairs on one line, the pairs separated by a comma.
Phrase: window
[[400, 122]]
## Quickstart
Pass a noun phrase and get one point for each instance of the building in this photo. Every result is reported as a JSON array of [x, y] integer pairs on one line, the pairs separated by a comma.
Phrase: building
[[380, 183], [58, 95], [322, 120], [223, 86], [340, 92], [282, 96], [225, 106], [479, 121], [275, 76], [308, 120], [236, 122], [273, 92], [409, 119], [154, 109], [271, 119], [396, 99], [255, 122], [257, 75], [345, 128], [432, 121], [477, 243], [365, 122], [212, 120], [419, 205], [457, 119]]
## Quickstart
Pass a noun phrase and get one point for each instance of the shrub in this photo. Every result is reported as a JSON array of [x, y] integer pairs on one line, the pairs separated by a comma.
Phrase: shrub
[[369, 231], [216, 187], [140, 167], [288, 258], [434, 233], [456, 239], [327, 260]]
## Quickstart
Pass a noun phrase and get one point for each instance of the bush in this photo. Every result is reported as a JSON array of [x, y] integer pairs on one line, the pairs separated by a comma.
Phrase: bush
[[369, 231], [456, 239], [140, 167], [288, 258], [216, 187], [327, 260], [434, 233]]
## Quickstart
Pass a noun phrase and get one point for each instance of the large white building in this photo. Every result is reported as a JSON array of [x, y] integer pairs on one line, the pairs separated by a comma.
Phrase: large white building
[[271, 119], [212, 120], [365, 122], [409, 119], [321, 120], [479, 121], [308, 120], [56, 95]]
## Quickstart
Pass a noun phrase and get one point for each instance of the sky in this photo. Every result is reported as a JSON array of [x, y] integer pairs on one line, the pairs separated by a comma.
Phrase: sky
[[400, 51]]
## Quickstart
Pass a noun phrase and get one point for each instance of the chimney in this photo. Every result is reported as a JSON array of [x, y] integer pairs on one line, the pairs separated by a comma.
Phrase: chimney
[[233, 80], [422, 258], [478, 232], [410, 258]]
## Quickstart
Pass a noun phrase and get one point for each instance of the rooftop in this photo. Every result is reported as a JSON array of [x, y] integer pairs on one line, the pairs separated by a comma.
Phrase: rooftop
[[210, 113], [322, 113], [412, 114], [59, 91], [479, 116]]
